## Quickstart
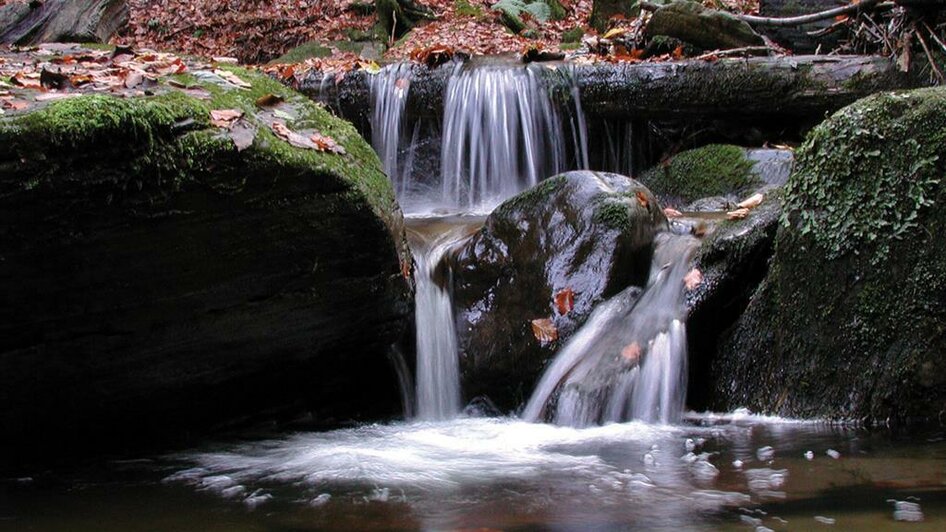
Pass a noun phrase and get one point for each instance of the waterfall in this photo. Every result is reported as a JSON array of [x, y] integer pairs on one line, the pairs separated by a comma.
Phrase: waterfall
[[388, 90], [438, 375], [629, 360], [503, 132]]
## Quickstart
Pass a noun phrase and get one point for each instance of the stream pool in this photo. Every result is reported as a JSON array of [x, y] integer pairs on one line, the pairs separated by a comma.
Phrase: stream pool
[[713, 472]]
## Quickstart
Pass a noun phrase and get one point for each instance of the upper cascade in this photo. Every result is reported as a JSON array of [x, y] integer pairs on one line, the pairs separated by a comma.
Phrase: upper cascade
[[505, 127]]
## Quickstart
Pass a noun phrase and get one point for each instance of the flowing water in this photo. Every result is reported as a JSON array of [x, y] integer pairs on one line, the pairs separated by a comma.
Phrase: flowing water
[[438, 378], [629, 360], [710, 472]]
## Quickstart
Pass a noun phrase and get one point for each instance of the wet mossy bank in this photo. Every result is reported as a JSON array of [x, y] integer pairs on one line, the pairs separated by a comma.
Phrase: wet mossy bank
[[158, 280], [850, 321]]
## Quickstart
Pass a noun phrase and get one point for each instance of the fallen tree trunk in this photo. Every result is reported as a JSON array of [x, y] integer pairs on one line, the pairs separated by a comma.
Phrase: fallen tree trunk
[[800, 87]]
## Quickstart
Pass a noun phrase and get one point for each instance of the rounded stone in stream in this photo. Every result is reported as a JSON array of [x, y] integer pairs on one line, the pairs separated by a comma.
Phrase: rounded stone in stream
[[850, 321], [587, 232]]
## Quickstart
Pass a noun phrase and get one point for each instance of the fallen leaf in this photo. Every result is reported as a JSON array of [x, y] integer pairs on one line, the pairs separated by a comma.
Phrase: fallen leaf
[[406, 268], [300, 141], [544, 331], [631, 352], [370, 67], [642, 199], [614, 32], [751, 202], [677, 53], [326, 143], [133, 79], [225, 118], [242, 135], [693, 279], [232, 78], [269, 100], [564, 301], [737, 214], [672, 213]]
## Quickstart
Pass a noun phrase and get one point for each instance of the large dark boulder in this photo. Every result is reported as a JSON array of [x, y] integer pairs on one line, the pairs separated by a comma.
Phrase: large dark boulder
[[850, 321], [157, 279], [587, 232], [25, 23], [702, 27]]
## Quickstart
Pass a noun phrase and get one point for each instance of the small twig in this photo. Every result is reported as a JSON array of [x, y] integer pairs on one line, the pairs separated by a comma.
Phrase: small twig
[[829, 30], [733, 51], [929, 55], [933, 35]]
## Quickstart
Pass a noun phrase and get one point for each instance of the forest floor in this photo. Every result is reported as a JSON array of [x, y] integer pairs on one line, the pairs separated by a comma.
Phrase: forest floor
[[257, 31]]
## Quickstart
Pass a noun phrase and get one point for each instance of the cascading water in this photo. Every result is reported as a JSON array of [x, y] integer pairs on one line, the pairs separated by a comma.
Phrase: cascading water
[[389, 89], [629, 360], [438, 378], [503, 133]]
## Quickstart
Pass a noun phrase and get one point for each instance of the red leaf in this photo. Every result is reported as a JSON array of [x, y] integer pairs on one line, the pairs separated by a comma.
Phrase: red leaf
[[564, 301]]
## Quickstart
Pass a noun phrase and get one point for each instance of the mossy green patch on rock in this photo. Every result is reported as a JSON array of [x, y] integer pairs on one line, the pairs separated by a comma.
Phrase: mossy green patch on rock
[[850, 321], [873, 195], [713, 170]]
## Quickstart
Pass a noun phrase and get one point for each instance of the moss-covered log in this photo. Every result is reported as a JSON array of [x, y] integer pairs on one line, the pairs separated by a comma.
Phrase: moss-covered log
[[159, 280]]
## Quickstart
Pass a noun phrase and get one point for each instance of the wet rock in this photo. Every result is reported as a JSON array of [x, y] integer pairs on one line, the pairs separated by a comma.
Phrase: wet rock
[[733, 259], [705, 28], [26, 23], [587, 232], [849, 321], [157, 280]]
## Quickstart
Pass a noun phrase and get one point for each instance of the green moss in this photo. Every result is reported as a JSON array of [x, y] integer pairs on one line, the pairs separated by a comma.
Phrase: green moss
[[302, 52], [537, 194], [574, 35], [874, 193], [159, 144], [465, 9], [712, 170]]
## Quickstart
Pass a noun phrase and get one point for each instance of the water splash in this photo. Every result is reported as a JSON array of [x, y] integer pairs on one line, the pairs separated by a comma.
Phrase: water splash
[[503, 132], [629, 360]]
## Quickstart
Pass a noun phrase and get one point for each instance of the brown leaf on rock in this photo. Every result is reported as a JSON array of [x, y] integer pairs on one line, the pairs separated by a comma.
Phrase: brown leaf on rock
[[326, 143], [751, 202], [564, 301], [232, 78], [670, 212], [737, 214], [642, 199], [693, 279], [300, 141], [544, 331], [225, 118], [242, 134]]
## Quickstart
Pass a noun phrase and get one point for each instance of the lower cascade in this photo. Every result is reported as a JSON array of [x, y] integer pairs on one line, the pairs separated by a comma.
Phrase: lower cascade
[[629, 359], [438, 379]]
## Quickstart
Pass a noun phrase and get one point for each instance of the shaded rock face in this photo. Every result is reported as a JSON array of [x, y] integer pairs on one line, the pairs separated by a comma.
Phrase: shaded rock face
[[158, 281], [61, 21], [734, 259], [850, 320], [589, 232]]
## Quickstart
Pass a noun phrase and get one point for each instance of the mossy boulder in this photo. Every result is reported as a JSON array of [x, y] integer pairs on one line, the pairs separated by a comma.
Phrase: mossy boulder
[[850, 321], [713, 170], [160, 280], [585, 232], [704, 28]]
